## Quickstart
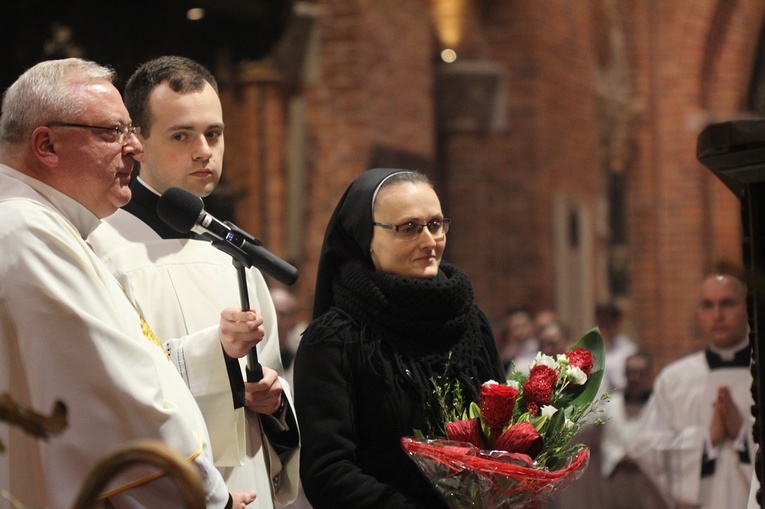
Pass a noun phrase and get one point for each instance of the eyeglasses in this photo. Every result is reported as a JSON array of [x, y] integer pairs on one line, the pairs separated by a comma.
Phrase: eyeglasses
[[411, 230], [121, 131]]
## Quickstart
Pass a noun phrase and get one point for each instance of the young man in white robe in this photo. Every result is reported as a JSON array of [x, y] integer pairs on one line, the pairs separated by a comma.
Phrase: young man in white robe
[[696, 439], [67, 331], [177, 281]]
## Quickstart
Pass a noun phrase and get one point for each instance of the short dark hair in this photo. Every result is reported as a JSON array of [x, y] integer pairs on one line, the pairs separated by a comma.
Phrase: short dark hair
[[182, 75]]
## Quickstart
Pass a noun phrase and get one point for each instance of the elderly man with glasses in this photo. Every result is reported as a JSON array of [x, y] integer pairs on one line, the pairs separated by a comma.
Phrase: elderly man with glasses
[[68, 332]]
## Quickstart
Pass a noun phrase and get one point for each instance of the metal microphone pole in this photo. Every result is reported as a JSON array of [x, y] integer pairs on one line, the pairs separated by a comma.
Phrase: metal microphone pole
[[254, 369]]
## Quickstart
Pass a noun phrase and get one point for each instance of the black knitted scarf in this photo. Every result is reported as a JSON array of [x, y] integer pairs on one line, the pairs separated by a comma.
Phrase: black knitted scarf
[[424, 325]]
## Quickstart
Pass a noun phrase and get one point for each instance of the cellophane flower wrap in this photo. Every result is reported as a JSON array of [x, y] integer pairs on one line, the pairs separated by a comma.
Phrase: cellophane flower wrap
[[514, 448]]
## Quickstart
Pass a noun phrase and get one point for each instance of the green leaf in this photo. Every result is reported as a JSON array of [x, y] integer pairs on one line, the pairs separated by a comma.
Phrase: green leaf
[[539, 422], [474, 410], [592, 341], [557, 421]]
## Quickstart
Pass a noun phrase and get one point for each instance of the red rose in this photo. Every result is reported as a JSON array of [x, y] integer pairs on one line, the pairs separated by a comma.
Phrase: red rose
[[522, 437], [581, 358], [497, 403], [468, 430], [532, 408], [539, 385]]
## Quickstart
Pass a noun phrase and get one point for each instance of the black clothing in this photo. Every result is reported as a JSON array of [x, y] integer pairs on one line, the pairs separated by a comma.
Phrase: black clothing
[[423, 322], [349, 234], [364, 367], [362, 382], [741, 359], [143, 205]]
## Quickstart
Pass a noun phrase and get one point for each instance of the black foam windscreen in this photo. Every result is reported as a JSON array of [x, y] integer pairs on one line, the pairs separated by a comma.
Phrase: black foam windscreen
[[180, 209]]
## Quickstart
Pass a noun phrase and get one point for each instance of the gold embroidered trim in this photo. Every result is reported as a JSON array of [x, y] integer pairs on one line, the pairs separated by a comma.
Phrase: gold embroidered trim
[[149, 334]]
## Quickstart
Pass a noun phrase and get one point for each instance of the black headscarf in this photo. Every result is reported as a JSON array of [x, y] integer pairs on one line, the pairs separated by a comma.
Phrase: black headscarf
[[424, 325], [349, 233]]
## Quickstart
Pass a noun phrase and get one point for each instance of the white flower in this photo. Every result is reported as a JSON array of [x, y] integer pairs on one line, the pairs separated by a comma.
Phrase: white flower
[[548, 410], [545, 360], [490, 382], [562, 360], [514, 384], [575, 375], [568, 424]]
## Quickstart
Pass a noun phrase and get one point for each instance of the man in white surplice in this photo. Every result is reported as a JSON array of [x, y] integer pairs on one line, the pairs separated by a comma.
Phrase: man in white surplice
[[178, 281], [696, 441]]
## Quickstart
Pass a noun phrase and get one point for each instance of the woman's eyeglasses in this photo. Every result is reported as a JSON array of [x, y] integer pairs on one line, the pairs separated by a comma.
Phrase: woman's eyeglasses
[[411, 230]]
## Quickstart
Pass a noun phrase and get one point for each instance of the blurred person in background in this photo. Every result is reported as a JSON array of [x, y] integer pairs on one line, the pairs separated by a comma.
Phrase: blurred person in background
[[543, 317], [523, 339], [619, 346], [290, 327], [554, 339], [695, 441], [627, 485]]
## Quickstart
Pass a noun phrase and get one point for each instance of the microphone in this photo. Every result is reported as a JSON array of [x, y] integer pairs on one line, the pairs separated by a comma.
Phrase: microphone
[[185, 212]]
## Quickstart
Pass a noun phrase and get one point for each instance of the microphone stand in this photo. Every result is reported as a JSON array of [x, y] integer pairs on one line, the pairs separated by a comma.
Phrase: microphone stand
[[254, 369], [241, 261]]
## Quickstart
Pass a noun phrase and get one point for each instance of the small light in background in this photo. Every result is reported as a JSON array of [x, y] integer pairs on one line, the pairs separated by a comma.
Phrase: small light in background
[[448, 56], [195, 14]]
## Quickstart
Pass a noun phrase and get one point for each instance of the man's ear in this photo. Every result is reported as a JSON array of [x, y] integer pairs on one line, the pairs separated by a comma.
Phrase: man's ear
[[140, 156], [44, 146]]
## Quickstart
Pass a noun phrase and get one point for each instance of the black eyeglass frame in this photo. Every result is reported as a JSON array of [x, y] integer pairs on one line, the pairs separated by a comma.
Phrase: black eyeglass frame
[[444, 227], [123, 131]]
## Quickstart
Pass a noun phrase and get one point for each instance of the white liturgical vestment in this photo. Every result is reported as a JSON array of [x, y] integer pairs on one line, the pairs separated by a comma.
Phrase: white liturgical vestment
[[673, 445], [182, 285], [68, 333]]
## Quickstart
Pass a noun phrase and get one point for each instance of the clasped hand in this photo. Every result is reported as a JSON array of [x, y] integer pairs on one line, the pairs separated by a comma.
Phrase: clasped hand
[[726, 417]]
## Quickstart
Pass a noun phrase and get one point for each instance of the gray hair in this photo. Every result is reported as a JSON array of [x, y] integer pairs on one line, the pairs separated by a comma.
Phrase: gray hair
[[42, 95]]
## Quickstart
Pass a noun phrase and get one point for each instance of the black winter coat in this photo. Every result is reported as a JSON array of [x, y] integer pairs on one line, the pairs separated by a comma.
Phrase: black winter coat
[[356, 397]]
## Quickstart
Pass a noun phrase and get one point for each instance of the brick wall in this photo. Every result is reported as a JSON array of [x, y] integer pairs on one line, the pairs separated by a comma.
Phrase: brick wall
[[511, 187], [374, 89], [681, 218]]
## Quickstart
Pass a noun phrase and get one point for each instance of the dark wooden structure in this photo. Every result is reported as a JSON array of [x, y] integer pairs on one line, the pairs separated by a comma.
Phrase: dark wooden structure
[[735, 152]]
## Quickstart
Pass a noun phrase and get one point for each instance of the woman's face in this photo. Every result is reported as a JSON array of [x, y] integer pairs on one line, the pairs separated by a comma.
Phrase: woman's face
[[398, 204]]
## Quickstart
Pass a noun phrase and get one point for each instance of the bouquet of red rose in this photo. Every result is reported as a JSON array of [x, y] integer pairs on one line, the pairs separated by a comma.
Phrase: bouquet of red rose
[[513, 449]]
